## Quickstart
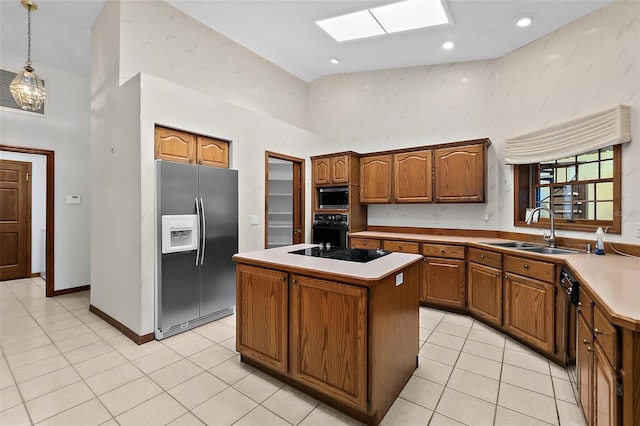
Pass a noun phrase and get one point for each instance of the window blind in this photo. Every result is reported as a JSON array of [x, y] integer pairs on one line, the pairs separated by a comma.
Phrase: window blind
[[610, 127]]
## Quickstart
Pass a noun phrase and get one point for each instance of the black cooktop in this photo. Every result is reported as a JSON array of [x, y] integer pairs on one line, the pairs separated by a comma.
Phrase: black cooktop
[[351, 255]]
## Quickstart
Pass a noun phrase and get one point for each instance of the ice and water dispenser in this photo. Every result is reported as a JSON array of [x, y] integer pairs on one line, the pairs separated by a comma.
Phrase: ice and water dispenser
[[179, 233]]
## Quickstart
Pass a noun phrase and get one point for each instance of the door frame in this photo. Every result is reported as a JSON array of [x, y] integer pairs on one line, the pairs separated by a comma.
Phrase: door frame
[[49, 213], [298, 188]]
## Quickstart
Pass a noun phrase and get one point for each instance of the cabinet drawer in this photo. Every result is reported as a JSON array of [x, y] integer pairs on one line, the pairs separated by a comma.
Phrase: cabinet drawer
[[402, 246], [485, 257], [605, 333], [364, 243], [443, 250], [530, 268]]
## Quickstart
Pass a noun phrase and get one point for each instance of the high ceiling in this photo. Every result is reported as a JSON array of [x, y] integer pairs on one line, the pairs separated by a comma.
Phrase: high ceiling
[[284, 32]]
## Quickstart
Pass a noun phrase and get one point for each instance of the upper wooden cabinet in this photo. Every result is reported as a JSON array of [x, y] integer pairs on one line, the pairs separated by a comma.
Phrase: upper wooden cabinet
[[412, 177], [460, 174], [185, 147], [332, 170], [375, 179], [212, 152], [174, 145]]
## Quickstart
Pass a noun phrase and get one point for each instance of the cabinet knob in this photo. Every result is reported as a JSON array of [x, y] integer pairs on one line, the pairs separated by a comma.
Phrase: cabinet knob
[[579, 303], [506, 275], [482, 256], [364, 243], [526, 266], [596, 331], [584, 342], [294, 282], [442, 250], [281, 278], [497, 274], [590, 349]]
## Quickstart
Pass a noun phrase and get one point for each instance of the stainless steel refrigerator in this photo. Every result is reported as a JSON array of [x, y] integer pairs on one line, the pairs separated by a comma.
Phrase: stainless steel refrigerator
[[197, 234]]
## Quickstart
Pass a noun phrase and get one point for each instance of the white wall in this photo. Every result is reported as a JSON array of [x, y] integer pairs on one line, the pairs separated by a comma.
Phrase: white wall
[[583, 68], [38, 202], [65, 130], [162, 41]]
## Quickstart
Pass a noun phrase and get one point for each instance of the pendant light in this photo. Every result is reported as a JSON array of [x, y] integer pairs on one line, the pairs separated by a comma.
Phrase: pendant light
[[27, 88]]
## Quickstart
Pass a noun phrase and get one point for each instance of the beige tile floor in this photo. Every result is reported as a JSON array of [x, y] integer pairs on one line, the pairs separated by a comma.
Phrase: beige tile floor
[[62, 365]]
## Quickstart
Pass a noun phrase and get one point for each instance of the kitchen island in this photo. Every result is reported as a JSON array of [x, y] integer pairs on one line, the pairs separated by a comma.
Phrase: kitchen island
[[344, 332]]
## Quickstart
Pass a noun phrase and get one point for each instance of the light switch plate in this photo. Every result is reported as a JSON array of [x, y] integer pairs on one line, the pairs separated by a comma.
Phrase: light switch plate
[[399, 279], [254, 219]]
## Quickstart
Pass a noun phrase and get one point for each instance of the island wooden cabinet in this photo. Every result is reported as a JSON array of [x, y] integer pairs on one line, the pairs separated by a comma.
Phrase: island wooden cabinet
[[412, 181], [598, 362], [185, 147], [375, 179], [332, 170], [460, 174], [328, 328], [262, 315], [443, 282], [529, 301], [484, 285]]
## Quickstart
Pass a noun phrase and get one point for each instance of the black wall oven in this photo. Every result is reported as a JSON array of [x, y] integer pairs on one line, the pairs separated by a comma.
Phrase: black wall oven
[[333, 198], [330, 229]]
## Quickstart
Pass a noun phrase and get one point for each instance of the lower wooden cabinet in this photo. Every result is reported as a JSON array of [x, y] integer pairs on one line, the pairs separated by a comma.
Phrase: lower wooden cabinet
[[529, 310], [444, 282], [262, 315], [597, 372], [328, 338], [484, 292]]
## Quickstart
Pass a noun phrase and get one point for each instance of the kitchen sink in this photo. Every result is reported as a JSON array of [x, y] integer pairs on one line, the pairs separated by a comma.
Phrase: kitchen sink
[[515, 244], [532, 247], [548, 250]]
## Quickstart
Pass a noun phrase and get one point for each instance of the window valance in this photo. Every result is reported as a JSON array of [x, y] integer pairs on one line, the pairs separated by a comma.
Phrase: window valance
[[610, 127]]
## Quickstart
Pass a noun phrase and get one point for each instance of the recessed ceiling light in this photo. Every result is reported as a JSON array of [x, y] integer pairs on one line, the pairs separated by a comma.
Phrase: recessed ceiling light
[[524, 21], [447, 45], [334, 60], [401, 16]]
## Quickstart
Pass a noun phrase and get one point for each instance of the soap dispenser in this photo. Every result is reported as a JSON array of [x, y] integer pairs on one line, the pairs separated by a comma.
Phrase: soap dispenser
[[599, 241]]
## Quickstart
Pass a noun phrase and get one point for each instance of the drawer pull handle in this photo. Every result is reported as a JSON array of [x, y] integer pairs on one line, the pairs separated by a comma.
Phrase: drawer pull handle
[[526, 266], [482, 256]]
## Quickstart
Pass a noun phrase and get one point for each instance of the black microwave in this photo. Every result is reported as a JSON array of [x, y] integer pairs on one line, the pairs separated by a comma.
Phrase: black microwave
[[334, 198]]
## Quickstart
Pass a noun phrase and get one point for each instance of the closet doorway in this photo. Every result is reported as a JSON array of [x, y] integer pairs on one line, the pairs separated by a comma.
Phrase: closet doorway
[[284, 200]]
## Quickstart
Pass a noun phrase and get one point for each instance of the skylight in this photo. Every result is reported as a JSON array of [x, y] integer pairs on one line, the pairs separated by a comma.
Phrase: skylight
[[401, 16]]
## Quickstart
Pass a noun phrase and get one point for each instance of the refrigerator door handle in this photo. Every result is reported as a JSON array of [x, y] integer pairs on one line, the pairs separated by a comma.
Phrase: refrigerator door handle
[[204, 231], [198, 218]]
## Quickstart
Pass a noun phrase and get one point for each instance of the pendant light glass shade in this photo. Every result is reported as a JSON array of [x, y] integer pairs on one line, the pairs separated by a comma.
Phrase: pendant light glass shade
[[27, 88]]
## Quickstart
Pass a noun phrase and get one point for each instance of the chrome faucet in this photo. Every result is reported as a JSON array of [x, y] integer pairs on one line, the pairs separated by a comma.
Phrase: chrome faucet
[[551, 239]]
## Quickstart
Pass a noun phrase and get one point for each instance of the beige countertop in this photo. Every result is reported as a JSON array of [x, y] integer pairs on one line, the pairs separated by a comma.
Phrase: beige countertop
[[614, 279], [369, 272]]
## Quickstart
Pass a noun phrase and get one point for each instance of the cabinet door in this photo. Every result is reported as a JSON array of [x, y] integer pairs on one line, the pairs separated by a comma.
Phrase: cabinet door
[[174, 145], [605, 407], [529, 310], [375, 179], [460, 174], [213, 152], [321, 171], [412, 174], [340, 169], [443, 282], [262, 315], [584, 362], [328, 332], [485, 292]]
